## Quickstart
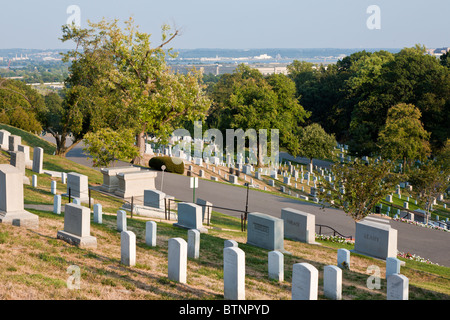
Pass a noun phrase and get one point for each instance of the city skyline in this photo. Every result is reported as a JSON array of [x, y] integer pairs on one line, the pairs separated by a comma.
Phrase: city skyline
[[239, 25]]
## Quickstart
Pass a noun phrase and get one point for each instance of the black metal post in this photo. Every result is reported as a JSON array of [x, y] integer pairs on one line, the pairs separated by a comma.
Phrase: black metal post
[[132, 205], [89, 195], [69, 196]]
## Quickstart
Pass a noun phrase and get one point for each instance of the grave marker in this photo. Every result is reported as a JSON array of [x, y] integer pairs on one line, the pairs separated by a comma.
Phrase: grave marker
[[397, 287], [128, 248], [11, 199], [150, 233], [193, 250], [332, 282], [234, 273], [265, 231], [77, 227], [38, 158], [276, 265], [98, 213], [305, 279], [177, 260]]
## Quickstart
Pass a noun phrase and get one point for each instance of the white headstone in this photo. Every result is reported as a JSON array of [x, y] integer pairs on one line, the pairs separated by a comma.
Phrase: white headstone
[[150, 233], [154, 199], [177, 260], [11, 199], [305, 280], [230, 243], [234, 273], [4, 139], [299, 225], [392, 266], [121, 221], [343, 258], [190, 217], [332, 282], [193, 243], [77, 226], [375, 239], [397, 287], [78, 185], [53, 187], [14, 142], [38, 158], [98, 213], [128, 248], [34, 181], [276, 265], [57, 204]]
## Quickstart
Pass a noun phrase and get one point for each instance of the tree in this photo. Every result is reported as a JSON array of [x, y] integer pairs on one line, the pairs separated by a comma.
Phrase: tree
[[316, 143], [411, 77], [246, 100], [403, 136], [107, 145], [445, 59], [21, 106], [358, 186], [428, 181], [126, 83]]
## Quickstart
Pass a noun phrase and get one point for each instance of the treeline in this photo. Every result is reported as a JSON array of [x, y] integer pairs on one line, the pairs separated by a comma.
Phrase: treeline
[[354, 99], [38, 72], [379, 103]]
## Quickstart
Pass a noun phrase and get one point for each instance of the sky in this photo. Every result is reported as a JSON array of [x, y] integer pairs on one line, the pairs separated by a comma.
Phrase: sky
[[240, 24]]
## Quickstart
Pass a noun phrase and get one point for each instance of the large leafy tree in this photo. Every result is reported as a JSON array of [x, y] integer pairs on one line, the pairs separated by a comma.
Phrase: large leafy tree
[[315, 143], [21, 106], [107, 145], [246, 100], [403, 137], [125, 82], [411, 77], [429, 180], [358, 186]]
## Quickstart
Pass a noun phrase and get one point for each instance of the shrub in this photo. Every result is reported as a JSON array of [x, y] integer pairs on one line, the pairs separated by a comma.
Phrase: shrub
[[157, 162]]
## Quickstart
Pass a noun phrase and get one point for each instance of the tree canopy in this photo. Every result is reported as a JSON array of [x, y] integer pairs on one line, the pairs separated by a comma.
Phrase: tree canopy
[[124, 82], [246, 99]]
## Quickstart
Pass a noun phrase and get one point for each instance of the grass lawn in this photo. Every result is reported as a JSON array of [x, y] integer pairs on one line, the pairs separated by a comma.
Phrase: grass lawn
[[35, 264]]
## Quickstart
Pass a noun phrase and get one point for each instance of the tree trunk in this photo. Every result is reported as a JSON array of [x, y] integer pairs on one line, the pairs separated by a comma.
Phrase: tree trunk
[[64, 150], [140, 143]]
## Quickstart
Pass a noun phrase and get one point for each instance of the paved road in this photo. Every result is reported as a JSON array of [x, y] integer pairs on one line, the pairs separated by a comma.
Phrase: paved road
[[426, 243]]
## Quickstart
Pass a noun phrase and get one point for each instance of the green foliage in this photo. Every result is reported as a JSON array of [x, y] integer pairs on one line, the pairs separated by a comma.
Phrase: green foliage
[[124, 82], [246, 100], [172, 166], [107, 145], [359, 186], [20, 106], [403, 136], [429, 180], [316, 143], [352, 98]]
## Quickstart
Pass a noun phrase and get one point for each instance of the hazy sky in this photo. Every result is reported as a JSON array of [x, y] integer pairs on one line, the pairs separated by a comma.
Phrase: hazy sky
[[239, 24]]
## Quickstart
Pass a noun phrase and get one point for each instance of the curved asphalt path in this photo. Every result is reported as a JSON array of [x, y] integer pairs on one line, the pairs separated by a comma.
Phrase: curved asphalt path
[[426, 243]]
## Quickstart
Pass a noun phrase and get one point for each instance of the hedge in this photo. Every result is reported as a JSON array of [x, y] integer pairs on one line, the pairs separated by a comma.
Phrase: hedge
[[157, 162]]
